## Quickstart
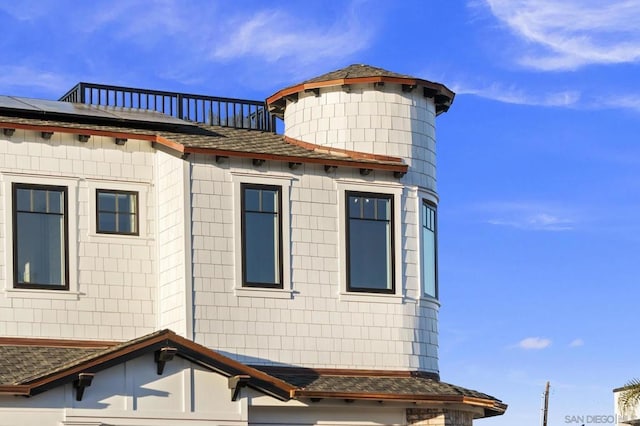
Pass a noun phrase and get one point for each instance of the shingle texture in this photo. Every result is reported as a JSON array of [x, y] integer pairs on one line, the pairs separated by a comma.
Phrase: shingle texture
[[208, 137], [376, 384], [28, 362], [356, 71], [19, 363]]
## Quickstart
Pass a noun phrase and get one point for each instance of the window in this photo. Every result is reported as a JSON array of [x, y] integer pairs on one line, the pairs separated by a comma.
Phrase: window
[[40, 237], [117, 212], [429, 250], [369, 242], [261, 236]]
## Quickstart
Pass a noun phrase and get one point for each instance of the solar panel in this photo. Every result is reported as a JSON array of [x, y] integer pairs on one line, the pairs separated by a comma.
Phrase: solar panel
[[82, 110]]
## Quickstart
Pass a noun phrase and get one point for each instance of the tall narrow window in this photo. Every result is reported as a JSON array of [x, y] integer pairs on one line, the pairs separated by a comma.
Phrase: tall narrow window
[[370, 242], [261, 236], [40, 237], [429, 250], [117, 212]]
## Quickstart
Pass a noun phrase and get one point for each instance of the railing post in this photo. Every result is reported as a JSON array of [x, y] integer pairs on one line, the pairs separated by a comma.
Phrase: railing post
[[81, 90], [179, 105]]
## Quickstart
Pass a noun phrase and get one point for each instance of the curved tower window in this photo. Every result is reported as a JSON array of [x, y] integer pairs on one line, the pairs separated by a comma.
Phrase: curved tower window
[[429, 250]]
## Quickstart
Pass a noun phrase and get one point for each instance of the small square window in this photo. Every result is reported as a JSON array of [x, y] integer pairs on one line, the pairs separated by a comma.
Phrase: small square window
[[116, 212], [370, 252]]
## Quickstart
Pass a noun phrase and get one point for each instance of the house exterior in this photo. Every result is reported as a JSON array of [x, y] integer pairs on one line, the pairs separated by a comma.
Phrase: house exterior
[[624, 416], [191, 266]]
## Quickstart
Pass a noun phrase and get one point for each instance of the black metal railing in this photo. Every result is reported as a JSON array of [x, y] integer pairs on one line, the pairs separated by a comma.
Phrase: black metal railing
[[228, 112]]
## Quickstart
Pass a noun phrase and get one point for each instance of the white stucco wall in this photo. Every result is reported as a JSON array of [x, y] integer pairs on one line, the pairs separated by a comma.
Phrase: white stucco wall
[[112, 277]]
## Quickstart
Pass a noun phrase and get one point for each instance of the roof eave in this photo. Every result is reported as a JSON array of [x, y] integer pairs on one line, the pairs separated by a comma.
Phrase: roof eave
[[442, 95], [490, 407]]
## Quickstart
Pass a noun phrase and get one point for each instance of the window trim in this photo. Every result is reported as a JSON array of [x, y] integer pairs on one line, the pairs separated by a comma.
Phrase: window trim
[[376, 195], [278, 190], [238, 177], [97, 211], [15, 186], [433, 206]]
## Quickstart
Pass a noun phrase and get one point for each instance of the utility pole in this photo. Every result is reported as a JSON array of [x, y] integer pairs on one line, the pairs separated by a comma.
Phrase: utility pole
[[546, 405]]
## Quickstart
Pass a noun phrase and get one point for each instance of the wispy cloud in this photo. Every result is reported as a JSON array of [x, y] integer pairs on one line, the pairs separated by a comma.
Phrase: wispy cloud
[[272, 35], [566, 35], [534, 343], [576, 343], [529, 216], [515, 95], [20, 76], [625, 101]]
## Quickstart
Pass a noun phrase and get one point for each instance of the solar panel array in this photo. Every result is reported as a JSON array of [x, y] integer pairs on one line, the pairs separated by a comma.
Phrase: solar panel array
[[13, 103]]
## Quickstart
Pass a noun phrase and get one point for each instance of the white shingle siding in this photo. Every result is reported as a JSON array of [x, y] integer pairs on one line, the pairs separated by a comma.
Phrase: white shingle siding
[[318, 326], [113, 278], [173, 251], [383, 121], [183, 271]]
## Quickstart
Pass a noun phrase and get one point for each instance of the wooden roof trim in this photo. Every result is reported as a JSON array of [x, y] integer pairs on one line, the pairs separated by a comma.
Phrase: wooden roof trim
[[442, 89], [19, 390], [292, 158], [78, 131], [340, 151], [98, 361], [251, 371], [61, 343], [180, 148], [166, 337], [458, 399]]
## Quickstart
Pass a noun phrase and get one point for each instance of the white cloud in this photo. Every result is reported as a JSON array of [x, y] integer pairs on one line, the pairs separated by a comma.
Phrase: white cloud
[[568, 34], [272, 35], [513, 95], [529, 216], [576, 343], [534, 343], [21, 76]]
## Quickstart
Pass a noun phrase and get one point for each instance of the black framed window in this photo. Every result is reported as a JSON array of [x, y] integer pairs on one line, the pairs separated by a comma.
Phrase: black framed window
[[369, 242], [116, 212], [40, 237], [429, 250], [261, 235]]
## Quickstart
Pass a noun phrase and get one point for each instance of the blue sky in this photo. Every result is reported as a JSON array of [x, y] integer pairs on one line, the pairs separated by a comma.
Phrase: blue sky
[[539, 160]]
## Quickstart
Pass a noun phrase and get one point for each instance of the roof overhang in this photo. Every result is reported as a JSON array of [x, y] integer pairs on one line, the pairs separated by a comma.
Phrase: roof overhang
[[442, 95], [340, 158], [114, 355]]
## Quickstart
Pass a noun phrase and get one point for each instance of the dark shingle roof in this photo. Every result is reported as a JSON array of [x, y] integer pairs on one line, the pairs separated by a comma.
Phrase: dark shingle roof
[[360, 73], [18, 363], [356, 71], [380, 385], [409, 386]]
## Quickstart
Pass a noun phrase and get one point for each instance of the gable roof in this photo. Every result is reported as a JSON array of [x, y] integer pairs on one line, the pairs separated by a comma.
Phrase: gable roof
[[27, 370], [362, 74], [32, 366], [208, 140]]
